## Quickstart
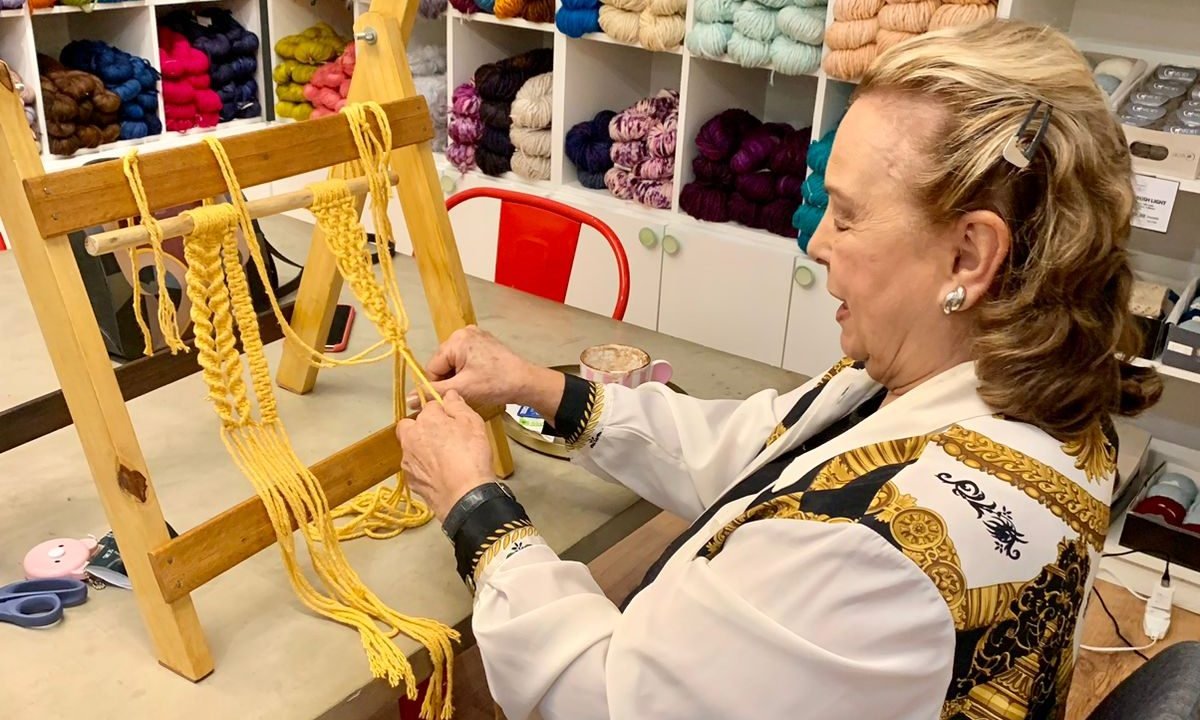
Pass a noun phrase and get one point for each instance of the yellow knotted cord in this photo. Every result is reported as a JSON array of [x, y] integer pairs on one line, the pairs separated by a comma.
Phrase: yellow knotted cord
[[218, 288], [166, 308]]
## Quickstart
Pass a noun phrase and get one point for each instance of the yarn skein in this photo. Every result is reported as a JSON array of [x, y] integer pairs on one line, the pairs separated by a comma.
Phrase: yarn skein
[[806, 25], [849, 64], [28, 99], [588, 146], [465, 127], [188, 99], [957, 14], [131, 78], [80, 111], [856, 9], [913, 17], [532, 111]]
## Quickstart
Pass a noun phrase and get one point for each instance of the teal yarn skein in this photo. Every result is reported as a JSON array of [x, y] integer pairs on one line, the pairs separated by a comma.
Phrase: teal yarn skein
[[794, 58], [806, 220], [806, 25], [710, 40], [813, 190], [756, 22], [818, 153], [749, 52], [715, 11], [812, 4]]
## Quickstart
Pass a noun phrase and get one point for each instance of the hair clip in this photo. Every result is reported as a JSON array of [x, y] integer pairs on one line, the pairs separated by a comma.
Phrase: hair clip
[[1012, 152]]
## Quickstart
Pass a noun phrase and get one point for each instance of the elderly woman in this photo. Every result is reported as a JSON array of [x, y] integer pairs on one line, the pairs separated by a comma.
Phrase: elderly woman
[[912, 534]]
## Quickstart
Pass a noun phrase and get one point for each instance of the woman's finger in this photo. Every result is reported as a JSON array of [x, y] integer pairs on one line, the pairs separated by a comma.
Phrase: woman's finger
[[404, 429], [455, 405], [440, 386]]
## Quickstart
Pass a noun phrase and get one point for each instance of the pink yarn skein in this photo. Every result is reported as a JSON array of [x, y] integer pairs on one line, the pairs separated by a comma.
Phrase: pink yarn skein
[[188, 98], [330, 84]]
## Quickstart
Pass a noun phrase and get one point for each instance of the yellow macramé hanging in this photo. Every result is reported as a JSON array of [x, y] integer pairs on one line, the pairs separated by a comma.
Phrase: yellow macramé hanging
[[222, 306]]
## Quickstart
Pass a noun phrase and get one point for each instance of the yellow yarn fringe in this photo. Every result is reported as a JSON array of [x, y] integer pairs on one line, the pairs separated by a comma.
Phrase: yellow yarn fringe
[[166, 308], [218, 288]]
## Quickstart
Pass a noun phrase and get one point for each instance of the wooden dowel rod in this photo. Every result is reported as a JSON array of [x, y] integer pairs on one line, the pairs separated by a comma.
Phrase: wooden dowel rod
[[113, 240]]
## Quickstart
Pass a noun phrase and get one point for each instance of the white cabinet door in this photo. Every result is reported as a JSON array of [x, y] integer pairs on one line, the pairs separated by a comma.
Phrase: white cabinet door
[[725, 292], [594, 277], [813, 334]]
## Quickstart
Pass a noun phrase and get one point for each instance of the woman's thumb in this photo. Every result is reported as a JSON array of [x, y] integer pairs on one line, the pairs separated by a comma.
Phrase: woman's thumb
[[441, 387]]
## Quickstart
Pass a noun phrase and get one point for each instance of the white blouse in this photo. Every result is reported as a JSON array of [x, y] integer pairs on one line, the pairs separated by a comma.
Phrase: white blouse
[[792, 619]]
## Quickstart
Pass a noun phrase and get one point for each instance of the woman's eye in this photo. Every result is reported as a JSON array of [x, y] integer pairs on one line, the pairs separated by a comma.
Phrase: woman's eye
[[840, 226]]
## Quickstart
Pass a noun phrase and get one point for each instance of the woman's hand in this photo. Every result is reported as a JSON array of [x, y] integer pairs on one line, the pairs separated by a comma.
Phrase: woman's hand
[[487, 374], [446, 452]]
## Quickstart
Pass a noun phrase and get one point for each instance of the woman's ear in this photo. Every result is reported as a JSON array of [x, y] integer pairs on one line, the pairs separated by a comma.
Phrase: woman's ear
[[984, 241]]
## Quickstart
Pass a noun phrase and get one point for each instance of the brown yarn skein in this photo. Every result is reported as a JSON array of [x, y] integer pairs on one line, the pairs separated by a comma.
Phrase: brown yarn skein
[[80, 111], [887, 39], [956, 15], [851, 34], [849, 64], [909, 17], [856, 9]]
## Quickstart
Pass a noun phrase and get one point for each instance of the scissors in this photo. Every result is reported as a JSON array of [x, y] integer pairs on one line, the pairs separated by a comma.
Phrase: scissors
[[38, 603]]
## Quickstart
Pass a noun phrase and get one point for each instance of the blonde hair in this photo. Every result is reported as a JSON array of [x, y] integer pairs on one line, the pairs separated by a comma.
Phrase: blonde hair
[[1049, 331]]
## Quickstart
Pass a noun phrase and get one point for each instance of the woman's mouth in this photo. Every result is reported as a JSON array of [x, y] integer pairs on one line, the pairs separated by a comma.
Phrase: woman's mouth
[[843, 312]]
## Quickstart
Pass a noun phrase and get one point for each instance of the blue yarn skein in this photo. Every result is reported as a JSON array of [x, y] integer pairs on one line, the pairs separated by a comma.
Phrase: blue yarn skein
[[576, 22], [487, 6], [709, 40], [588, 146]]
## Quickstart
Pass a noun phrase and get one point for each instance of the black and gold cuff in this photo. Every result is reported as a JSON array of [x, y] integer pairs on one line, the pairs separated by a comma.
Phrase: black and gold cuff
[[579, 412], [488, 529]]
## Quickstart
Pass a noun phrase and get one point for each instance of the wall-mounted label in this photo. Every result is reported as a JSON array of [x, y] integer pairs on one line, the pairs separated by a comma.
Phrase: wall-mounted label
[[1154, 203]]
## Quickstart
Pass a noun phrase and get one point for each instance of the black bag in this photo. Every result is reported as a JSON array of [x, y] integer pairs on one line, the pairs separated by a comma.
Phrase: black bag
[[108, 282]]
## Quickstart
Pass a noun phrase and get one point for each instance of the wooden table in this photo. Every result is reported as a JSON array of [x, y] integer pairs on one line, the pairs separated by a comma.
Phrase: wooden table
[[274, 659]]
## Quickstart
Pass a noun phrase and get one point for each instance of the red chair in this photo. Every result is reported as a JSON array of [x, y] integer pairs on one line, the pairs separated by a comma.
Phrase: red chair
[[537, 242]]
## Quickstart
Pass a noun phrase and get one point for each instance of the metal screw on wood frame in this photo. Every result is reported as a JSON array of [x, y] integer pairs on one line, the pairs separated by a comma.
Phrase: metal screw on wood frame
[[368, 36]]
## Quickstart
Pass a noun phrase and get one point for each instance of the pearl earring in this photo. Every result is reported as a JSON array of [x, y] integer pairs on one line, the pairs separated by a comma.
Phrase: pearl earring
[[954, 300]]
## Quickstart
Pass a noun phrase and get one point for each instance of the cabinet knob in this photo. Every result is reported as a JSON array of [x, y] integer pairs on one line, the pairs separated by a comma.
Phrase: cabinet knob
[[670, 244], [648, 237], [804, 276], [448, 184]]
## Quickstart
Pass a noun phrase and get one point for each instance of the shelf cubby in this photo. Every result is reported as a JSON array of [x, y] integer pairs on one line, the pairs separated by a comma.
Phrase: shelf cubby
[[606, 76]]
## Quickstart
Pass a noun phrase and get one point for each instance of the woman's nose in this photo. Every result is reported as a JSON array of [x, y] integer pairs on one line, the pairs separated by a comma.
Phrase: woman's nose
[[819, 246]]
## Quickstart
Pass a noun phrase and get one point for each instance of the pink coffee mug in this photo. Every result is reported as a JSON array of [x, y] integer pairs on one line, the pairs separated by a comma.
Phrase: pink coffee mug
[[623, 365]]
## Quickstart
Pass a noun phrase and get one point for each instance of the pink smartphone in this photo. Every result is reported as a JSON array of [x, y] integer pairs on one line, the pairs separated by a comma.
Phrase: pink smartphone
[[339, 330]]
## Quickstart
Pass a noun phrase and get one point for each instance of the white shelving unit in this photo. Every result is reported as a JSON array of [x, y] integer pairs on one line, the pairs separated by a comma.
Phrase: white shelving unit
[[797, 331], [670, 291], [130, 26]]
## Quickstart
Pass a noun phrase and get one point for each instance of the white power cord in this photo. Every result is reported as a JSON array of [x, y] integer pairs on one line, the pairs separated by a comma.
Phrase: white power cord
[[1121, 581]]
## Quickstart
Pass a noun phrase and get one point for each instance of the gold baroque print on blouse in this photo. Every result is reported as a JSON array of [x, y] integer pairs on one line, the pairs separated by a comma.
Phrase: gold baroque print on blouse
[[1075, 506], [889, 501], [784, 507], [1021, 667], [848, 466], [780, 429], [1093, 454], [923, 537]]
